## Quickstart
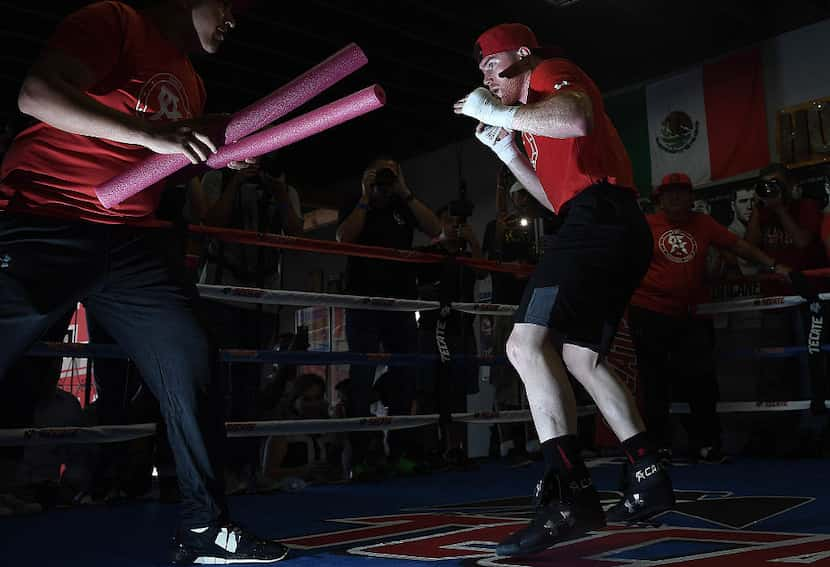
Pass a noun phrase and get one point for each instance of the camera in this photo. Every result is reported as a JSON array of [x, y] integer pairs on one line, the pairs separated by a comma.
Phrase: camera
[[384, 179], [768, 189]]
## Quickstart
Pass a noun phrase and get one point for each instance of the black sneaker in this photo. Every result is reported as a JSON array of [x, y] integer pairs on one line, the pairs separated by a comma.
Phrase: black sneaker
[[555, 520], [224, 545], [647, 492]]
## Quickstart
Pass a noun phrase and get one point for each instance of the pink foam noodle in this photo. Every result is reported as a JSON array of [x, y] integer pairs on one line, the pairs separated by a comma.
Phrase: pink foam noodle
[[266, 110], [313, 122], [294, 94], [136, 179]]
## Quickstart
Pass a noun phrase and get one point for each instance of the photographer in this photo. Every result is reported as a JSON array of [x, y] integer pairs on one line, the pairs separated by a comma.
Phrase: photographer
[[449, 282], [787, 229], [782, 227], [510, 237], [386, 214], [256, 199]]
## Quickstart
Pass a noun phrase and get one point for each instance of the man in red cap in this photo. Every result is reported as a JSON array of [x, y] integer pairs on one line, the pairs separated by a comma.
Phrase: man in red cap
[[675, 349], [577, 167], [113, 86]]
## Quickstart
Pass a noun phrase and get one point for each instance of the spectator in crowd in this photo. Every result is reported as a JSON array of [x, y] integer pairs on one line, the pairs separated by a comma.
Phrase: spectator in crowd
[[25, 385], [28, 397], [58, 468], [675, 348], [702, 206], [785, 228], [387, 213], [788, 229], [439, 388], [507, 239], [256, 199], [511, 238], [289, 461]]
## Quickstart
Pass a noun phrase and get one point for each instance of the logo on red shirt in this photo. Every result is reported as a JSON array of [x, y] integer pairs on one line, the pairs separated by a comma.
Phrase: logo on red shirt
[[776, 237], [678, 246], [163, 97]]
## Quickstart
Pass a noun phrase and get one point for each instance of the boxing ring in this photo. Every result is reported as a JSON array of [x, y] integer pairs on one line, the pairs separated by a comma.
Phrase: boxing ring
[[751, 512]]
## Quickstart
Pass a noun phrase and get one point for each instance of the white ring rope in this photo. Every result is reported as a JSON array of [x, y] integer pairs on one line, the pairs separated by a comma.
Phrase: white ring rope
[[757, 304], [307, 299], [115, 433], [751, 407]]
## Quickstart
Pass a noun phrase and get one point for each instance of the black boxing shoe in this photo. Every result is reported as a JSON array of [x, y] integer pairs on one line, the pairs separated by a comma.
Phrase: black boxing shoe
[[647, 492], [546, 491], [556, 519], [224, 545]]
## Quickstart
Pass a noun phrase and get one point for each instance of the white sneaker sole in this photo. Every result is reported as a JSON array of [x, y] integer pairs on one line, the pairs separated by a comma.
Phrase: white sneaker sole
[[226, 561]]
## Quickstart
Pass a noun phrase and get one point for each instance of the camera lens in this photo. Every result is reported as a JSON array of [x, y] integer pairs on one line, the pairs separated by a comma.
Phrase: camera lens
[[768, 188], [385, 177]]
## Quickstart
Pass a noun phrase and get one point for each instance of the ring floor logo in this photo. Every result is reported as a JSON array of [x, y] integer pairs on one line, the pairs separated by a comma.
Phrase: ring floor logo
[[467, 534]]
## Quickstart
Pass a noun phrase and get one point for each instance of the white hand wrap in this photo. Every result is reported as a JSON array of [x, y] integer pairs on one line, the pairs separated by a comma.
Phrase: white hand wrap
[[505, 148], [485, 107]]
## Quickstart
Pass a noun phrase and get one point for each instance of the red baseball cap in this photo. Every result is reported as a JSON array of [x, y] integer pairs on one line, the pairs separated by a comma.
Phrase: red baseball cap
[[510, 37], [505, 37], [674, 180]]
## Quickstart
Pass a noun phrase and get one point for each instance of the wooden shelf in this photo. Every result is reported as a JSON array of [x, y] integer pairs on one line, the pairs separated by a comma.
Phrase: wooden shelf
[[808, 163], [803, 133]]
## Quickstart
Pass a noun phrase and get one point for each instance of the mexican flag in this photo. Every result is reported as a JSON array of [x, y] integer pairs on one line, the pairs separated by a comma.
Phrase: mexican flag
[[708, 122]]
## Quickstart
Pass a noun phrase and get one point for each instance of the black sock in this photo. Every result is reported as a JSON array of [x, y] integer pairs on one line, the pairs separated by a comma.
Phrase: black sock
[[638, 447], [563, 453], [551, 458]]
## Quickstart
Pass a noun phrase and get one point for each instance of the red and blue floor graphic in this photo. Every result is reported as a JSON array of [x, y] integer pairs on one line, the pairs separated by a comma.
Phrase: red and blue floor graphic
[[747, 513]]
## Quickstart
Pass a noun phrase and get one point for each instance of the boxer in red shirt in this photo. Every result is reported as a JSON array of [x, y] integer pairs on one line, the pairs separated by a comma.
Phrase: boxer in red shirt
[[675, 349], [575, 165], [113, 86]]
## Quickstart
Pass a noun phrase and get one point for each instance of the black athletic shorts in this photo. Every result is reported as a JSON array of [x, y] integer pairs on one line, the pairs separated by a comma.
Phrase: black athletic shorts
[[589, 268]]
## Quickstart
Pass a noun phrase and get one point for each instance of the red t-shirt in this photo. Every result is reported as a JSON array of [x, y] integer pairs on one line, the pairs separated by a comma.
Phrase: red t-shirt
[[778, 243], [567, 166], [674, 282], [52, 172]]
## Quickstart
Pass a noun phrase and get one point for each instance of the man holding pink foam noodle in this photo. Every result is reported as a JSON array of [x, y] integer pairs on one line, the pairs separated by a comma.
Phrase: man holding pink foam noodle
[[114, 84]]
